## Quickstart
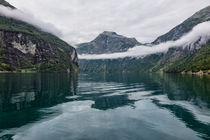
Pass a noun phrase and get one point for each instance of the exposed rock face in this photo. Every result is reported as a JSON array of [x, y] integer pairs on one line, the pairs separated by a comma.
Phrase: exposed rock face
[[19, 51], [177, 32], [107, 42], [24, 47], [74, 57]]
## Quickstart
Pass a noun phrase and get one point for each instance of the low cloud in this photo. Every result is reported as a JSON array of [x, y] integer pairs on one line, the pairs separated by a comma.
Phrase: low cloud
[[82, 20], [199, 35], [29, 18]]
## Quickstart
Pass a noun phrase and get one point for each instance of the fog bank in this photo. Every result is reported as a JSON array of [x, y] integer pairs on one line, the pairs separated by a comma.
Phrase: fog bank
[[29, 18], [199, 35]]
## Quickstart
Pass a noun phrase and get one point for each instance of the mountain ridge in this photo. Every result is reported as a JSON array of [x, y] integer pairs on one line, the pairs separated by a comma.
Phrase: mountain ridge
[[25, 48], [178, 31], [107, 42], [6, 4]]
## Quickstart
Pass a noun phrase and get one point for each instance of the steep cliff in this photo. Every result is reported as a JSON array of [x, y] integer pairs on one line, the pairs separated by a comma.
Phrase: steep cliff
[[24, 47]]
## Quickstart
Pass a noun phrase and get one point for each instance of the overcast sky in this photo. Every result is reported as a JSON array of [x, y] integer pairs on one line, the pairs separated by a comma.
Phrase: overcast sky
[[82, 20]]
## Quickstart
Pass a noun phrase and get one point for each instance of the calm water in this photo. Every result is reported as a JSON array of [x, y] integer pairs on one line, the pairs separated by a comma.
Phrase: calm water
[[104, 107]]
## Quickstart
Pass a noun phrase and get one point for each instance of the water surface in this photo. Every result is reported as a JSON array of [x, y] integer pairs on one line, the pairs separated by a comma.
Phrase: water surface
[[42, 106]]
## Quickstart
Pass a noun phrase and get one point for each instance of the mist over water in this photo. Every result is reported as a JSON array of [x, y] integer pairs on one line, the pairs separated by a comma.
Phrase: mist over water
[[199, 35]]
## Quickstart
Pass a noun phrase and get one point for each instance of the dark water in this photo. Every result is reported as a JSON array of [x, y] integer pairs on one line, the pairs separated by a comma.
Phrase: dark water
[[104, 107]]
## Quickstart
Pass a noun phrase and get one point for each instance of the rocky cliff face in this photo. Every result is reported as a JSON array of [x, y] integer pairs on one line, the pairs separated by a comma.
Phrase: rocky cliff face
[[21, 52], [107, 42], [26, 48]]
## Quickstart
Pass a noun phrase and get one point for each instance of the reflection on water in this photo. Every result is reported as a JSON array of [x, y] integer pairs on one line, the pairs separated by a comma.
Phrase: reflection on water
[[104, 106], [111, 102], [22, 95], [20, 91]]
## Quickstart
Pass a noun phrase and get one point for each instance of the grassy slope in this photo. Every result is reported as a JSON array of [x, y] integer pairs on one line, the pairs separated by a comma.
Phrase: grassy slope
[[194, 63]]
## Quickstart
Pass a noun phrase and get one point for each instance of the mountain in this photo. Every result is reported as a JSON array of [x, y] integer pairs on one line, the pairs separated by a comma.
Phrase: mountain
[[5, 3], [197, 62], [177, 32], [194, 58], [107, 42], [24, 47]]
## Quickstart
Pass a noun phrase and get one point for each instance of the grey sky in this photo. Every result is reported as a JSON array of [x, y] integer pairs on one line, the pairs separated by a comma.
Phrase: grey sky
[[82, 20]]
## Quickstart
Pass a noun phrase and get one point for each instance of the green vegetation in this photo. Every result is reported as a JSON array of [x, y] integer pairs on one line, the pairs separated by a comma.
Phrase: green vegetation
[[199, 61], [119, 65], [12, 25], [53, 53]]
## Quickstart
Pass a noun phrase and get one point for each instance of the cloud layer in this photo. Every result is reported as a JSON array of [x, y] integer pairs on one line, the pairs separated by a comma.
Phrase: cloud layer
[[29, 18], [200, 35], [82, 20]]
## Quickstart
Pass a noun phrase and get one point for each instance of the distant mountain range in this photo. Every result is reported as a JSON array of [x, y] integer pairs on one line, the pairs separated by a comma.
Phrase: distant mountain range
[[107, 42], [190, 59], [25, 48]]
